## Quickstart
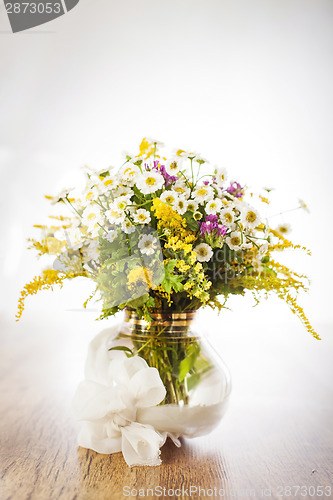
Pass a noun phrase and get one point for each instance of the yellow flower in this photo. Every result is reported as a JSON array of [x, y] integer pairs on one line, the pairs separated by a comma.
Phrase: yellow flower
[[188, 285], [169, 218], [139, 276], [146, 148], [182, 266]]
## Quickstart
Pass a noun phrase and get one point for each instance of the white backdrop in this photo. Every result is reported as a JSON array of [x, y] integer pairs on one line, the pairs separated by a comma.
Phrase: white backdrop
[[246, 83]]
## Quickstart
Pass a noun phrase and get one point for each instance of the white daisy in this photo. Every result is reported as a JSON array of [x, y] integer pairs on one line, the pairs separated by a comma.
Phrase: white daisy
[[91, 215], [181, 188], [189, 154], [283, 229], [192, 205], [303, 205], [158, 144], [110, 236], [181, 205], [227, 216], [74, 237], [204, 252], [91, 193], [129, 173], [263, 249], [257, 265], [141, 216], [169, 197], [90, 252], [121, 202], [123, 191], [128, 227], [213, 206], [114, 215], [221, 176], [203, 193], [60, 196], [172, 166], [106, 184], [250, 217], [234, 241], [149, 182], [147, 244]]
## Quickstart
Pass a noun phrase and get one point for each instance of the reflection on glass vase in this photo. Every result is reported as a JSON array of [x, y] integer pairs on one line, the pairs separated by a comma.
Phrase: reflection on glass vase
[[196, 379]]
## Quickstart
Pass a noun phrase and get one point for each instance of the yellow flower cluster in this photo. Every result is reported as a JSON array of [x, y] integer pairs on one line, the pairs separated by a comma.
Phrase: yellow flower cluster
[[49, 278], [139, 276], [49, 245], [146, 148], [169, 219], [285, 243]]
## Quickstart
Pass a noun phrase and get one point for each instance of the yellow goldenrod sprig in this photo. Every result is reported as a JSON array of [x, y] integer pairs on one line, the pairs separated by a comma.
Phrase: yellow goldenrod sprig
[[49, 278]]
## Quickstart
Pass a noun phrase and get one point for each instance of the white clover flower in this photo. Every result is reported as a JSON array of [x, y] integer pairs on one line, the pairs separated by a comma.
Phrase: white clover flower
[[149, 182], [169, 197], [227, 216], [181, 205], [115, 215], [221, 176], [110, 236], [213, 206], [129, 174], [128, 227], [250, 217], [234, 241], [204, 252], [147, 244], [141, 216], [203, 193]]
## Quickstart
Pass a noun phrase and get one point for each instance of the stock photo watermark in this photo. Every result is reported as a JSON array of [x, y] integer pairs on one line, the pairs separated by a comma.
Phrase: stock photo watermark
[[24, 15], [196, 491]]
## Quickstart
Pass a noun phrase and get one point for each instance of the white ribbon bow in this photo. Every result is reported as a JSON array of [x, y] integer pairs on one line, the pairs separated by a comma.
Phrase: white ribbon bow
[[108, 401]]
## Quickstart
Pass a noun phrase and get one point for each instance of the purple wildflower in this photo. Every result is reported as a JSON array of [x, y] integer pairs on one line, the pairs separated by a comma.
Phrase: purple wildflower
[[236, 189], [211, 224], [169, 179]]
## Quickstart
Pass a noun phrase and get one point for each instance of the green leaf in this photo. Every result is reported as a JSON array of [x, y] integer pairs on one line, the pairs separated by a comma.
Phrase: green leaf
[[127, 350], [191, 223], [186, 365], [193, 381]]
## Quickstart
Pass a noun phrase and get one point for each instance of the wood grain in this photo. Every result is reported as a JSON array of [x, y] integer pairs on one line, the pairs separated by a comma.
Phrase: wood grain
[[277, 431]]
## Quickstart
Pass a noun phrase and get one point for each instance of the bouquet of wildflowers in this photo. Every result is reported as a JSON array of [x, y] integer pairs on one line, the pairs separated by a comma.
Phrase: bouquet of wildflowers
[[166, 233]]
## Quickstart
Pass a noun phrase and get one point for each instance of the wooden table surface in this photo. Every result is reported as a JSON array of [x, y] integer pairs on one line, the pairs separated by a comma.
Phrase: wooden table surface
[[276, 434]]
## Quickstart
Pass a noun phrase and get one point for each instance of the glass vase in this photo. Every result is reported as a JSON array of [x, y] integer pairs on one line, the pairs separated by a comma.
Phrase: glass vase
[[196, 380]]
